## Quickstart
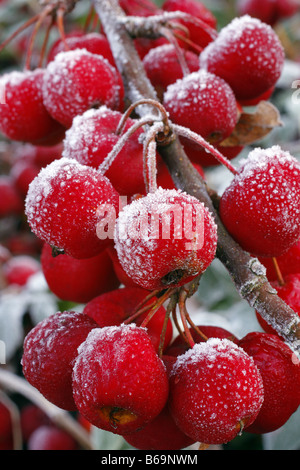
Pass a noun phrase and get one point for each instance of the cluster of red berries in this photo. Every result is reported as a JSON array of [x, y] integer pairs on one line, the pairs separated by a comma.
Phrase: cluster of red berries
[[108, 214], [110, 371]]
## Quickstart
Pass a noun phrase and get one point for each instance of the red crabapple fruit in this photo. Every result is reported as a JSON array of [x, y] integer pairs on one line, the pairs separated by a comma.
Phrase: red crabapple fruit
[[49, 351], [119, 382], [18, 269], [269, 11], [93, 135], [121, 275], [6, 428], [280, 372], [22, 173], [31, 418], [163, 66], [161, 433], [216, 391], [165, 239], [78, 80], [261, 206], [78, 280], [116, 306], [64, 204], [137, 8], [180, 345], [23, 115], [288, 263], [50, 437], [204, 103], [11, 200], [96, 43], [196, 32], [248, 55]]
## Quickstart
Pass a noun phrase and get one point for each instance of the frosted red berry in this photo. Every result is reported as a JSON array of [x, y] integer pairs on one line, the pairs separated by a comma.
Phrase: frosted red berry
[[94, 134], [18, 269], [248, 55], [118, 305], [197, 32], [165, 239], [78, 80], [96, 43], [280, 371], [261, 206], [180, 344], [66, 202], [119, 382], [204, 103], [163, 66], [23, 115], [78, 280], [49, 351], [216, 391]]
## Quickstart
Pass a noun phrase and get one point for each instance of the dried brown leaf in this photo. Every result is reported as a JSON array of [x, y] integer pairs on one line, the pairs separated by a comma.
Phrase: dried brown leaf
[[252, 127]]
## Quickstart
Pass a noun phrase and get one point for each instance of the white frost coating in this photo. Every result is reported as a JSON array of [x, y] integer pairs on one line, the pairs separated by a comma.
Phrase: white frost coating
[[210, 350], [41, 186], [164, 231], [68, 90], [239, 32]]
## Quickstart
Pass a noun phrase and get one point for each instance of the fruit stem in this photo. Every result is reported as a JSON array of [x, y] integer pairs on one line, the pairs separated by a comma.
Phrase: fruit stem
[[60, 25], [183, 315], [179, 52], [118, 147], [278, 271], [19, 30], [195, 327], [203, 446], [187, 133], [158, 304], [148, 101], [190, 43], [149, 157], [170, 307], [45, 42], [89, 19], [47, 10], [139, 312]]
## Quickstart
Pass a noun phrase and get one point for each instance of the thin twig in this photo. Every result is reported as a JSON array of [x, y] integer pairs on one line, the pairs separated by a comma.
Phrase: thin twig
[[61, 418]]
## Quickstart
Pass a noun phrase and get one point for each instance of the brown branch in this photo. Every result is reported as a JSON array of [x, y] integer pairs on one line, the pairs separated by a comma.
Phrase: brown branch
[[246, 272]]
